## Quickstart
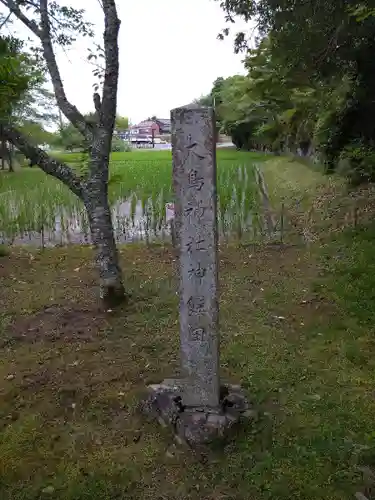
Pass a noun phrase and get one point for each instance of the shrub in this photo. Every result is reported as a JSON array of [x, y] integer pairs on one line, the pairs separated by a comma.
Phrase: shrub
[[120, 146], [357, 163]]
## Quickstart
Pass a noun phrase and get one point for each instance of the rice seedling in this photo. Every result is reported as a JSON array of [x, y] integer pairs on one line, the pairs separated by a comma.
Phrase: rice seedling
[[35, 208]]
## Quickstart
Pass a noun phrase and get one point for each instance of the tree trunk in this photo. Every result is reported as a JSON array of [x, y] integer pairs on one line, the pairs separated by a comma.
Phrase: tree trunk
[[2, 154], [100, 220], [10, 158]]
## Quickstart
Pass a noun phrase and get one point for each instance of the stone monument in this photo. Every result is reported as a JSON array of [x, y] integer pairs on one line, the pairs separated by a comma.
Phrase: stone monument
[[197, 407]]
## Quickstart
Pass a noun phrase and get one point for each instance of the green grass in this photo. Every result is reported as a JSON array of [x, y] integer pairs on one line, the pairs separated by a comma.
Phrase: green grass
[[295, 183], [72, 377], [30, 200], [353, 265]]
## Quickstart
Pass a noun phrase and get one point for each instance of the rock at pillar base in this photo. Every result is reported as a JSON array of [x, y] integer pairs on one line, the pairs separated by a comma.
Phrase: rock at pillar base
[[196, 426]]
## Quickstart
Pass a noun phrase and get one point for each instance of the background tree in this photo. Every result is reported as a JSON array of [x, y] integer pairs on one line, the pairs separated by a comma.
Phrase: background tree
[[19, 75], [204, 100], [54, 24], [322, 60], [121, 122], [35, 110], [69, 138], [213, 99], [36, 133]]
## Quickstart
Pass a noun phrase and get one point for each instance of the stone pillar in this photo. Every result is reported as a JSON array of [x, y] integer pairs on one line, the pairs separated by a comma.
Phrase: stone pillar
[[194, 181], [197, 408]]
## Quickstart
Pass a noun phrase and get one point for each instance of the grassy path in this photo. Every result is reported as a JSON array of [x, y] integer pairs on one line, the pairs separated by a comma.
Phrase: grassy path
[[297, 332]]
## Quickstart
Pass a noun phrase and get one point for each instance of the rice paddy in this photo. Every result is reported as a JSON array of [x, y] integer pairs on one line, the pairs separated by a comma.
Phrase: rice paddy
[[37, 209]]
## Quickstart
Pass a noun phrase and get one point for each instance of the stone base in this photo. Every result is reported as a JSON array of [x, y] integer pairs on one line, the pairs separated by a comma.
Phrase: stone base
[[196, 426]]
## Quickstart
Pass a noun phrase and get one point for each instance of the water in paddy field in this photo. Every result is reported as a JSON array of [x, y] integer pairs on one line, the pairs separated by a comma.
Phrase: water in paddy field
[[168, 146], [47, 220], [131, 222]]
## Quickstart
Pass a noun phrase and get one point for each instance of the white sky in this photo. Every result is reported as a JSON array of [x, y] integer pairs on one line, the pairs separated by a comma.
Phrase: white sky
[[169, 55]]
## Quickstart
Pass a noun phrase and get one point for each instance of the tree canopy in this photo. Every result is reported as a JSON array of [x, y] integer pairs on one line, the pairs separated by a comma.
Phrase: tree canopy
[[18, 74], [24, 100], [310, 82]]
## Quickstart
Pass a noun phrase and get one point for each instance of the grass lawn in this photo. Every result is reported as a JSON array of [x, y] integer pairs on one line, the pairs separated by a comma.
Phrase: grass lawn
[[296, 330]]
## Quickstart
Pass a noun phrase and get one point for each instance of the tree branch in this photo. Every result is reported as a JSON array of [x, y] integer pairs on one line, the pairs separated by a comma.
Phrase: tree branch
[[69, 110], [39, 157], [15, 9], [331, 46], [3, 23], [111, 52], [44, 34], [97, 104]]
